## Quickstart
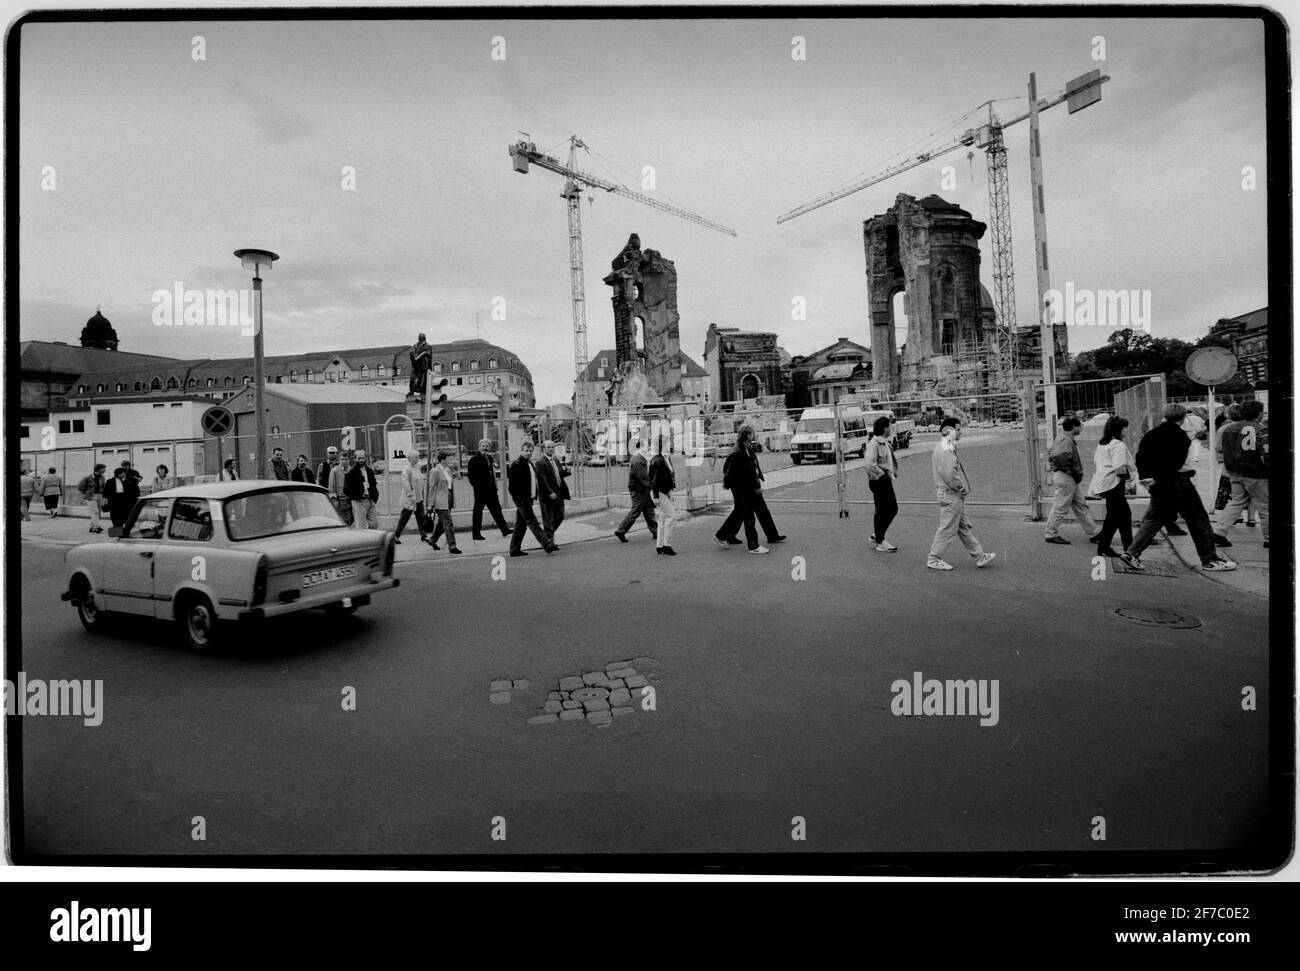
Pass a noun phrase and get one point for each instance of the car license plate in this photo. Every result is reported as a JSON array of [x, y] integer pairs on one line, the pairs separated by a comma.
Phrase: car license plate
[[317, 577]]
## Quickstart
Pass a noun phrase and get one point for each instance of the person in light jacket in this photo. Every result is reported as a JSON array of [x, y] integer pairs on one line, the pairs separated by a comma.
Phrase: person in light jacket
[[440, 500], [26, 492], [1067, 473], [1115, 476], [882, 470], [953, 488], [412, 497]]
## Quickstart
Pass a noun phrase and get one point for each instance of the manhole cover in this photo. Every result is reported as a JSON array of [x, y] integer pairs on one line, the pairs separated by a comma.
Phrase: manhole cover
[[589, 694], [1155, 617]]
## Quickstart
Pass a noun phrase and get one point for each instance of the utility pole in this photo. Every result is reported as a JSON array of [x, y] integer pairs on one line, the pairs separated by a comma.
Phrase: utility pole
[[1046, 330]]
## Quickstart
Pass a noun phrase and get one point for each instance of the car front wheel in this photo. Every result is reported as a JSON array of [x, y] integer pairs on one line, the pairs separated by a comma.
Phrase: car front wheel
[[198, 622], [91, 615]]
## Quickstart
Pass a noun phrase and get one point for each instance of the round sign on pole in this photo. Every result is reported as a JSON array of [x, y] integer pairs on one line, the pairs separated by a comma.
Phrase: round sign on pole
[[217, 421], [1211, 366]]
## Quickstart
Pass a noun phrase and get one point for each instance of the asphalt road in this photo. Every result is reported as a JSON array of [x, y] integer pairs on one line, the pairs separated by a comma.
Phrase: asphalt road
[[773, 700]]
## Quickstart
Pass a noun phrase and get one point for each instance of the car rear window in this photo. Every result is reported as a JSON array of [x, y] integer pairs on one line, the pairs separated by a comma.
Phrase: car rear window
[[274, 513]]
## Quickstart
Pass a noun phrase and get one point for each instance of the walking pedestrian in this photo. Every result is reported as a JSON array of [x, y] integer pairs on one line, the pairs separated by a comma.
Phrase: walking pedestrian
[[1162, 463], [953, 488], [1245, 459], [662, 483], [440, 500], [743, 471], [121, 494], [302, 471], [228, 473], [1114, 478], [26, 493], [52, 491], [552, 489], [882, 470], [638, 487], [483, 480], [163, 479], [413, 489], [91, 488], [279, 468], [521, 479], [1067, 473], [362, 490]]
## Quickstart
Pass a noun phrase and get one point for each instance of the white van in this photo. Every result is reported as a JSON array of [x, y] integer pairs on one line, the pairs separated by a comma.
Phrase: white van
[[814, 435]]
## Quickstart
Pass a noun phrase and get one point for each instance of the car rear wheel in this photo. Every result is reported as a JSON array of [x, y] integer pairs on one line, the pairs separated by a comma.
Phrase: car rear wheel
[[91, 615], [198, 622]]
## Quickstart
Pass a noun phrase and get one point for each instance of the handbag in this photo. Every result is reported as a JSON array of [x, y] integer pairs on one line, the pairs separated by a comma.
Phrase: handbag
[[1224, 495]]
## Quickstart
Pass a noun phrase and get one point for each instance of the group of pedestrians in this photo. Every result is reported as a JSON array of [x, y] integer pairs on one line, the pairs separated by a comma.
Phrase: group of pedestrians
[[1163, 465]]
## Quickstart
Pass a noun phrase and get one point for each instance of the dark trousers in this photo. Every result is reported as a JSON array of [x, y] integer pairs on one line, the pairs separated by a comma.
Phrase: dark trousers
[[743, 512], [526, 519], [402, 520], [119, 509], [1118, 517], [443, 524], [764, 516], [641, 506], [489, 501], [1176, 496], [552, 514], [882, 490]]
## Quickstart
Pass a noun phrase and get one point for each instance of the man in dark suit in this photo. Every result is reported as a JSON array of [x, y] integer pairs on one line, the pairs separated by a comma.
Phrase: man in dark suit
[[638, 486], [744, 477], [551, 488], [521, 479], [483, 480]]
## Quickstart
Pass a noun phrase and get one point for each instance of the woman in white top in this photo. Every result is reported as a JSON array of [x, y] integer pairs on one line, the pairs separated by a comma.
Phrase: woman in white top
[[1116, 475], [163, 479]]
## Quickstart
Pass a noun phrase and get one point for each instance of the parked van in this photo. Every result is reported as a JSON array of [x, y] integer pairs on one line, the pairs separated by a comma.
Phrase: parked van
[[814, 438]]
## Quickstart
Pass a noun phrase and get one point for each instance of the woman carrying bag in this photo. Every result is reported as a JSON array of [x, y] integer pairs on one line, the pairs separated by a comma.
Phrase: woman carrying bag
[[1115, 478]]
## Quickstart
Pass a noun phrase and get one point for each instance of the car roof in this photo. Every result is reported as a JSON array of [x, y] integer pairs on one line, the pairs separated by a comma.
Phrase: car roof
[[228, 490]]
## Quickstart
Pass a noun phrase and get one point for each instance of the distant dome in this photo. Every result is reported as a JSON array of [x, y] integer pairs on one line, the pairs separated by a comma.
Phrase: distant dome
[[98, 332], [985, 299]]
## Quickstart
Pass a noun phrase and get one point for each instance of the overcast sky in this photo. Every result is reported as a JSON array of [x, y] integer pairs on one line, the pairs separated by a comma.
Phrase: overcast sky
[[165, 165]]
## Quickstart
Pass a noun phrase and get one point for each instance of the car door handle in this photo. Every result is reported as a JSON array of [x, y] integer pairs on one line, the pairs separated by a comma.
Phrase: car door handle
[[146, 553]]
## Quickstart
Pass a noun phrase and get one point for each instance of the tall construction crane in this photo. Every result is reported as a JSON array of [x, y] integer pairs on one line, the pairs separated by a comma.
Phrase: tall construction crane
[[523, 153], [1080, 93]]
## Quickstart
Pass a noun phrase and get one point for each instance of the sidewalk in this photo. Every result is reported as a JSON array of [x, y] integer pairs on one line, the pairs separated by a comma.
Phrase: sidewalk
[[73, 530]]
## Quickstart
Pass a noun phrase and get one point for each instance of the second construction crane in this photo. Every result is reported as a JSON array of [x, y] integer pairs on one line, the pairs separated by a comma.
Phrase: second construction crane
[[1079, 93], [525, 153]]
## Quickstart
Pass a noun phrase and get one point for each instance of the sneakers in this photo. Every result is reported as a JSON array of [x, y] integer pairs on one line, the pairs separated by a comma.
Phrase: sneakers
[[984, 559], [722, 542], [1131, 561], [934, 563], [1221, 540], [1219, 566], [1058, 540], [886, 547], [760, 549]]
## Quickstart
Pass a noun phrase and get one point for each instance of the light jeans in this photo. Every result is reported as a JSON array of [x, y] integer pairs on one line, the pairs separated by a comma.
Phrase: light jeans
[[1068, 497], [667, 520], [953, 524], [364, 515], [1245, 491], [92, 504]]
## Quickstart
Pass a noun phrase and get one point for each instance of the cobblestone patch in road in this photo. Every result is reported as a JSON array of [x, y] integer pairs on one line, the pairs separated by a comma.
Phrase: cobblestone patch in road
[[595, 696]]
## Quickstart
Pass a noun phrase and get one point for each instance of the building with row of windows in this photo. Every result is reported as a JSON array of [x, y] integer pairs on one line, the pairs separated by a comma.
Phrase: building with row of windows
[[1248, 336], [56, 374]]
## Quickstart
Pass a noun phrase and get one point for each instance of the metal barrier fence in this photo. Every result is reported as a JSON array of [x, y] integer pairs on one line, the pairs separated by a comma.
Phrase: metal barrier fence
[[1140, 399]]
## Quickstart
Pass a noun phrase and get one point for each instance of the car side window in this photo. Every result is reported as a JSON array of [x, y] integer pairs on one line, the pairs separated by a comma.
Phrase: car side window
[[191, 520], [150, 518]]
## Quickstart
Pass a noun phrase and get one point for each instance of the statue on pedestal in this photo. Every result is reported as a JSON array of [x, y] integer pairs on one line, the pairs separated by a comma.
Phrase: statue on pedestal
[[421, 360]]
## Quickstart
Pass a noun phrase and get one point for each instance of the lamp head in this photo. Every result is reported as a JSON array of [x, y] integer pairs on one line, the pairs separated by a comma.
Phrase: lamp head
[[256, 259]]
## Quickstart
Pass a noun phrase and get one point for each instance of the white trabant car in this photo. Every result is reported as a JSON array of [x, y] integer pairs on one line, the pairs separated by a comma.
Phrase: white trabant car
[[204, 554]]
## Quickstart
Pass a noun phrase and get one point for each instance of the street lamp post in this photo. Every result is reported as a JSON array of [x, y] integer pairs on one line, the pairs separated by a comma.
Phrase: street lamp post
[[257, 260]]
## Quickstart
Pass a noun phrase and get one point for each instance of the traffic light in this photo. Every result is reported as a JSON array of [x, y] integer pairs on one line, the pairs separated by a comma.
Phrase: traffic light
[[437, 399]]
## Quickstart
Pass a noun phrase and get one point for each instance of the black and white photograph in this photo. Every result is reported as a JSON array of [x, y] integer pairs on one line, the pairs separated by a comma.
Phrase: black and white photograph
[[832, 441]]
